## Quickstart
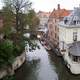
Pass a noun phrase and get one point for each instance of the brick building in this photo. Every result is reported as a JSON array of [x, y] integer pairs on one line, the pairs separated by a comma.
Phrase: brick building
[[43, 16], [53, 30]]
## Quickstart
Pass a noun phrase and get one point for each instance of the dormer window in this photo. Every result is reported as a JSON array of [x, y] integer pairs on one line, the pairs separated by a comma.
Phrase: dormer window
[[65, 21], [74, 22], [78, 22]]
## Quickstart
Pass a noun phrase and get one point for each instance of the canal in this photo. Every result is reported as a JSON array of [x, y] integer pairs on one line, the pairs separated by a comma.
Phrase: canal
[[44, 65]]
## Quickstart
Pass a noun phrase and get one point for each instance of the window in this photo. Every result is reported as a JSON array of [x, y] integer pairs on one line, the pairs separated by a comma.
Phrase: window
[[51, 33], [74, 22], [50, 25], [55, 20], [74, 36], [44, 16], [65, 21], [55, 35], [75, 58], [55, 27], [79, 59]]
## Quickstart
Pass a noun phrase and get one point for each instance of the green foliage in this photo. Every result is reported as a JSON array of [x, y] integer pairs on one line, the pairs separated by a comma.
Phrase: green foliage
[[6, 52], [9, 78], [32, 20], [9, 50], [18, 7], [13, 46], [15, 10], [8, 17], [19, 48], [7, 31]]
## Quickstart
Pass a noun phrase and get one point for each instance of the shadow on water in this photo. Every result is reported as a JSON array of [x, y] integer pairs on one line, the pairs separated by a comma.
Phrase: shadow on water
[[28, 70], [61, 69]]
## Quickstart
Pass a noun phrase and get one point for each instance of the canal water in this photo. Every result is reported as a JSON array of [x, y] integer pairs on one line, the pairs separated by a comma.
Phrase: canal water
[[43, 65]]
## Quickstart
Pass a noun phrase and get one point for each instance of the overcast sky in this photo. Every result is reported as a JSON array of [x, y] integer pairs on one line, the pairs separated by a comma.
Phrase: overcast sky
[[48, 5]]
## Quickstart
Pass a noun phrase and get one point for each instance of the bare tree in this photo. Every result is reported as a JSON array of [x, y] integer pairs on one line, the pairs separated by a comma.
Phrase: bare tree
[[18, 7]]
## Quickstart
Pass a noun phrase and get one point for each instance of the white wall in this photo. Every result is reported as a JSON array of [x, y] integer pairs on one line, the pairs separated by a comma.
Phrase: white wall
[[78, 34], [66, 34], [69, 36]]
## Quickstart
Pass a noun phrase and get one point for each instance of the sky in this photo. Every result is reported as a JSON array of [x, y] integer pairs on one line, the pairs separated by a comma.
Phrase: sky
[[49, 5]]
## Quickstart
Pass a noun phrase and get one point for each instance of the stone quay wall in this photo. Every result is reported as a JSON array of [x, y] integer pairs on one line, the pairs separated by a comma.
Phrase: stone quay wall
[[18, 61]]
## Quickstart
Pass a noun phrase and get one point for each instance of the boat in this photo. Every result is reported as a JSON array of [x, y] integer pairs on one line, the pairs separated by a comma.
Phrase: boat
[[47, 47]]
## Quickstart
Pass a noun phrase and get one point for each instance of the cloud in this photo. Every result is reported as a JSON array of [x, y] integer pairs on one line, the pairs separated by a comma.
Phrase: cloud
[[49, 5]]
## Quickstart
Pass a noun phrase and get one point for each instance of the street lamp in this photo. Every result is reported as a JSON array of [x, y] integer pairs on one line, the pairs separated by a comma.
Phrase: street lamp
[[38, 36]]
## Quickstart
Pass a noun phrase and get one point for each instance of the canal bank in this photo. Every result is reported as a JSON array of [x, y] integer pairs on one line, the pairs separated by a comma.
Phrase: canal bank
[[61, 68], [37, 67], [10, 70], [43, 65]]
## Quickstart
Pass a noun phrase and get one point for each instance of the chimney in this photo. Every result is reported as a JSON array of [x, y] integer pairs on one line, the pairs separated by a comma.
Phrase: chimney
[[58, 6]]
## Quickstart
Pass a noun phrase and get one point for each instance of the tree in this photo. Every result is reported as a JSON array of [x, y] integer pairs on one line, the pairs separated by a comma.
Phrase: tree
[[32, 20], [8, 17], [18, 7]]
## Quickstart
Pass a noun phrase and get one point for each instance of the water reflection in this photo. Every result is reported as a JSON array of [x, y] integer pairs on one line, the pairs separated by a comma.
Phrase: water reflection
[[28, 71], [37, 67], [41, 65]]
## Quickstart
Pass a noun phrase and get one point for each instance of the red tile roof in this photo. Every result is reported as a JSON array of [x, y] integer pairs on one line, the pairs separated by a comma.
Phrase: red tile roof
[[59, 13]]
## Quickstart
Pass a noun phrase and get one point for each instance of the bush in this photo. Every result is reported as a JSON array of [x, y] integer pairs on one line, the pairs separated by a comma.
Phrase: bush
[[6, 52], [9, 78], [18, 49], [9, 50]]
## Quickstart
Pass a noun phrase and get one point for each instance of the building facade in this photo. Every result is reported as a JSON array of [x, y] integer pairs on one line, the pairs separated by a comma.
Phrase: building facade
[[69, 28], [43, 16], [55, 17], [69, 40]]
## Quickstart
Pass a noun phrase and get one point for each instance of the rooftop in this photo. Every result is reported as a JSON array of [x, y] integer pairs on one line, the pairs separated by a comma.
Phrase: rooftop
[[59, 13], [41, 13], [73, 18]]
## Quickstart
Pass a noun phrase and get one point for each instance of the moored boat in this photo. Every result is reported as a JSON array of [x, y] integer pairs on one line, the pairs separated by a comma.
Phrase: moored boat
[[47, 47]]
